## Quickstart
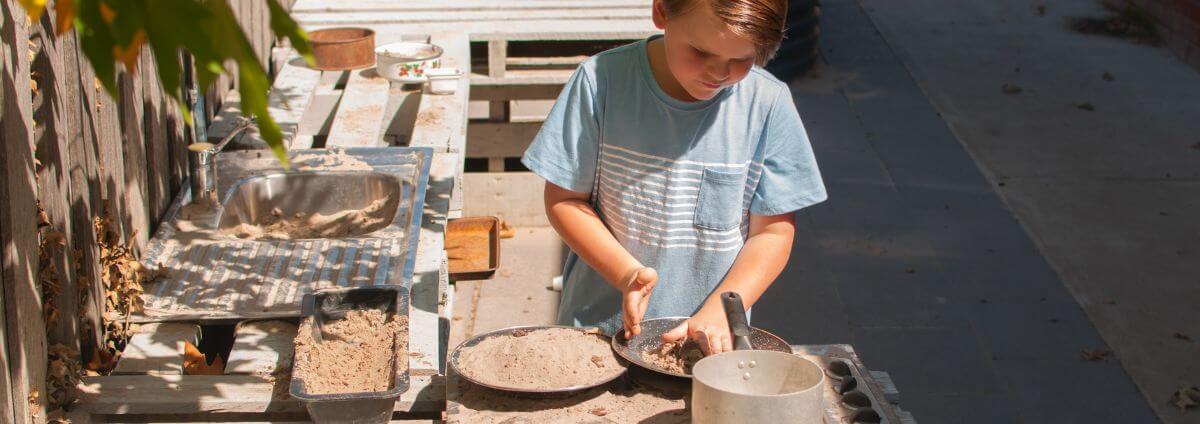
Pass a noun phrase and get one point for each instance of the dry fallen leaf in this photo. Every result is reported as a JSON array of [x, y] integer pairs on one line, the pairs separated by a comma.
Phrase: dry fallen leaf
[[1107, 76], [599, 411], [1094, 355], [1010, 89], [196, 363], [1085, 106], [1186, 398], [1181, 336]]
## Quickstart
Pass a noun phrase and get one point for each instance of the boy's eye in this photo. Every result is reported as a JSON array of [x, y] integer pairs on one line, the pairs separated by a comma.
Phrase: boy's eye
[[700, 53]]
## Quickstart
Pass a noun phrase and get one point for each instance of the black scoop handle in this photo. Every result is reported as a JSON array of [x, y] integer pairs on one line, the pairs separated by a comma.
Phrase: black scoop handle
[[735, 313]]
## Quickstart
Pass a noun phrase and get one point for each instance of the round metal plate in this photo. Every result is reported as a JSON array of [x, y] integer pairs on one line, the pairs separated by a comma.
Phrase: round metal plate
[[650, 338], [504, 332]]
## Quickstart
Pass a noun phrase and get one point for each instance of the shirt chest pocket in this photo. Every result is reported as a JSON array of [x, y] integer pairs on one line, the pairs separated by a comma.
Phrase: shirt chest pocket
[[719, 203]]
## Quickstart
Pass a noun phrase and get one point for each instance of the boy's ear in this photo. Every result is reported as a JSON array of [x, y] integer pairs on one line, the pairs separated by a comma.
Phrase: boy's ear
[[659, 14]]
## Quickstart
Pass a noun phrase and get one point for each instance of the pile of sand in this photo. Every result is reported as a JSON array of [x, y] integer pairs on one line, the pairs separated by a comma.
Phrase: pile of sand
[[355, 354], [678, 357], [278, 226], [544, 359]]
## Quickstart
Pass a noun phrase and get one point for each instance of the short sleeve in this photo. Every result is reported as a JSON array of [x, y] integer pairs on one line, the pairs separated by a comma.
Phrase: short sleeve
[[790, 180], [564, 150]]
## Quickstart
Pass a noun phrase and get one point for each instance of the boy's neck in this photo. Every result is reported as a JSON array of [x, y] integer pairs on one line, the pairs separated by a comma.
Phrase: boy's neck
[[657, 55]]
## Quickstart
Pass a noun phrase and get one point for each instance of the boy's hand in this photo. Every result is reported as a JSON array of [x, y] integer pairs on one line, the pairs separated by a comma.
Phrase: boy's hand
[[708, 328], [635, 297]]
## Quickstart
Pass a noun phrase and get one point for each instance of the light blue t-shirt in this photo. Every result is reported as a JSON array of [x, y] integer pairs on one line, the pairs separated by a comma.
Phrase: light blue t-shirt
[[674, 181]]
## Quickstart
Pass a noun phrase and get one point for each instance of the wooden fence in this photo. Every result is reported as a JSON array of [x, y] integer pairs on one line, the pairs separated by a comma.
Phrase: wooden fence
[[72, 154]]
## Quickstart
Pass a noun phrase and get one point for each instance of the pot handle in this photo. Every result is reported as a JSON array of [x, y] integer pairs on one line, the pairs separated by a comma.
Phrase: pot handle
[[735, 313]]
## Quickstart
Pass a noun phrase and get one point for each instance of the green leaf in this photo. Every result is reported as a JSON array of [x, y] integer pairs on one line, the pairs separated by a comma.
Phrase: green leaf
[[96, 41], [282, 25], [252, 78]]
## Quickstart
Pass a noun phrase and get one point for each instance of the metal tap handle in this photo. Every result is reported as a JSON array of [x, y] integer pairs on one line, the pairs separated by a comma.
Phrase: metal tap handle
[[735, 313]]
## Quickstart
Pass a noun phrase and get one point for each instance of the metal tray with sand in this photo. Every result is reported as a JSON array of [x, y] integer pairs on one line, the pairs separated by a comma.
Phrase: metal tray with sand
[[635, 350], [538, 359]]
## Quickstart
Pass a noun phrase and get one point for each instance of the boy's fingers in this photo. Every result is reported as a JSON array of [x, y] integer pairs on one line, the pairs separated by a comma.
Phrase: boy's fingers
[[635, 310], [678, 333], [647, 276]]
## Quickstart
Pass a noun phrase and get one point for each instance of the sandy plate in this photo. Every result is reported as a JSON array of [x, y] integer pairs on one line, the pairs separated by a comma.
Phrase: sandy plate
[[456, 360], [651, 337]]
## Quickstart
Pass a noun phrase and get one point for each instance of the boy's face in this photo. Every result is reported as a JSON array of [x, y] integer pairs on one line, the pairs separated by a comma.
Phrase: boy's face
[[701, 52]]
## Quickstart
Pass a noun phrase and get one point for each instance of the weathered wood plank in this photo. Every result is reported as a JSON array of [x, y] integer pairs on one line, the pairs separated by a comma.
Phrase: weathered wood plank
[[157, 349], [457, 16], [170, 394], [426, 336], [515, 92], [18, 226], [52, 136], [506, 195], [91, 184], [133, 142], [7, 406], [261, 348], [497, 55], [309, 6], [359, 118], [155, 132], [500, 139]]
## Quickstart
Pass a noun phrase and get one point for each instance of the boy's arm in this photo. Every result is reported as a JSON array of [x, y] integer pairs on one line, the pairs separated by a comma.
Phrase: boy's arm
[[581, 228], [760, 261]]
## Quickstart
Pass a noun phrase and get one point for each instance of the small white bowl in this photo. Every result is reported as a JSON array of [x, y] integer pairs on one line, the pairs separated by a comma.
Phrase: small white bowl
[[443, 80], [406, 62]]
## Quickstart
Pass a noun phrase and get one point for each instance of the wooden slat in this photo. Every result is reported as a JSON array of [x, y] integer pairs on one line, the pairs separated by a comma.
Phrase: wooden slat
[[52, 136], [133, 138], [555, 77], [7, 377], [261, 348], [171, 394], [18, 225], [157, 349], [458, 16], [359, 118], [426, 335], [500, 139], [515, 92], [497, 53], [507, 195], [309, 6], [157, 154]]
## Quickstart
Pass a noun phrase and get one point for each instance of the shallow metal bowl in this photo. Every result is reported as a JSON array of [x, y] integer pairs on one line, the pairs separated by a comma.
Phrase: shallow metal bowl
[[456, 354]]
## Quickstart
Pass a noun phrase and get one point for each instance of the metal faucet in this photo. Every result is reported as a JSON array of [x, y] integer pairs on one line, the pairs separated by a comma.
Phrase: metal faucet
[[204, 165]]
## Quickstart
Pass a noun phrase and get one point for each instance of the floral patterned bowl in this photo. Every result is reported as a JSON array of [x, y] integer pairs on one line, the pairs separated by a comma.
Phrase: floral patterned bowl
[[406, 62]]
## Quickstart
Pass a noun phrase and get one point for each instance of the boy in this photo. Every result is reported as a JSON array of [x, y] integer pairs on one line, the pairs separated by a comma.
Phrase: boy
[[673, 167]]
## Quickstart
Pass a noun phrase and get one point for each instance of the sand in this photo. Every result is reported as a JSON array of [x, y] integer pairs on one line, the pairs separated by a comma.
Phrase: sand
[[542, 359], [675, 357], [355, 354], [333, 160], [468, 250], [279, 226]]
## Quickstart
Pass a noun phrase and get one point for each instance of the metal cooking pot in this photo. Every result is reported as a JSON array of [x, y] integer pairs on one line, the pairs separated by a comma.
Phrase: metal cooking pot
[[752, 386]]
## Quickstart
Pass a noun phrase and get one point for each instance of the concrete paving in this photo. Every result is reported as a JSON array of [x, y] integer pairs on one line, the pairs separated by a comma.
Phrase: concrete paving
[[1103, 172], [919, 262]]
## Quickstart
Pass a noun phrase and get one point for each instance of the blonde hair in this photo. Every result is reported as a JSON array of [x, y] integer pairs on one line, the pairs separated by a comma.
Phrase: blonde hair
[[761, 21]]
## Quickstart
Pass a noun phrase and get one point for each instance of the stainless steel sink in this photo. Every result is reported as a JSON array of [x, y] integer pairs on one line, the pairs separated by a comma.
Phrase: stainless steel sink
[[209, 274], [259, 199]]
